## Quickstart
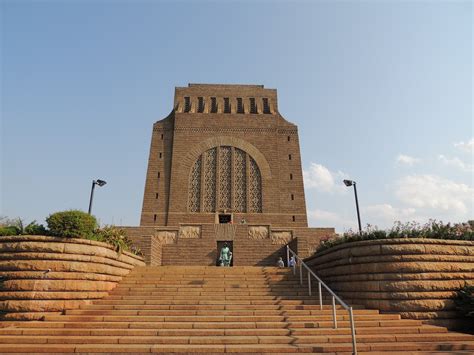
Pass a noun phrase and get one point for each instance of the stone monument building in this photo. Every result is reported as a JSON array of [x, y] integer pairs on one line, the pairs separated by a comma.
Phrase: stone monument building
[[224, 167]]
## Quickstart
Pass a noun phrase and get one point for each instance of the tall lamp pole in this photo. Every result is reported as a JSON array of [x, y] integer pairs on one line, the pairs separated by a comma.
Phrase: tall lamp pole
[[95, 182], [349, 183]]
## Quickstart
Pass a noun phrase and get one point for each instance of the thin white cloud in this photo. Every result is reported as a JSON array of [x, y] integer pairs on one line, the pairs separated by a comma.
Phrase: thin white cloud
[[383, 215], [455, 162], [435, 193], [403, 159], [321, 178], [322, 218], [467, 147]]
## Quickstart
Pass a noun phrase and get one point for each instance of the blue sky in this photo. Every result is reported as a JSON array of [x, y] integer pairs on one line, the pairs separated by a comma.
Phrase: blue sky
[[381, 93]]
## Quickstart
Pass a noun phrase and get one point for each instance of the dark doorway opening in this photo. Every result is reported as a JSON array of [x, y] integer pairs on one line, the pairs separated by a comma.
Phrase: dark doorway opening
[[225, 218], [220, 245]]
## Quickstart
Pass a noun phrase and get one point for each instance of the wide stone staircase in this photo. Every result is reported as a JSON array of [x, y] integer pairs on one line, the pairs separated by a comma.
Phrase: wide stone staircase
[[222, 310]]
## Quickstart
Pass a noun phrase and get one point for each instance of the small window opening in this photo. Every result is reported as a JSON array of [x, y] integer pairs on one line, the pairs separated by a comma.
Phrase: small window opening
[[225, 218], [292, 197], [288, 138], [187, 104], [213, 105], [226, 105], [158, 175], [156, 196], [289, 156], [253, 106], [294, 219], [161, 155], [240, 105], [161, 136], [154, 218], [266, 106], [291, 176], [200, 104]]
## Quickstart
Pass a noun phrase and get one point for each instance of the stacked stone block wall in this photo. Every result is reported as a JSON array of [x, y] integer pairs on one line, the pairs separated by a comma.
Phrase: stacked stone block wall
[[415, 277], [42, 274]]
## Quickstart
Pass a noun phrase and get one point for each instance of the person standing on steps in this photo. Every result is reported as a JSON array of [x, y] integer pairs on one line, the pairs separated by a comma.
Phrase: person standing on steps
[[280, 262], [292, 262]]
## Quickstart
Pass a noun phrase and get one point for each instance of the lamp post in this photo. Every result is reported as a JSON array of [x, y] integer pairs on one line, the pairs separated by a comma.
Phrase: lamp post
[[95, 182], [349, 183]]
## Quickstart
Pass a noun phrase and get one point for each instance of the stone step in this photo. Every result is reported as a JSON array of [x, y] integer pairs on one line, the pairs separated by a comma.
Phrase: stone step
[[293, 315], [370, 330], [70, 339], [158, 301], [286, 308], [146, 332], [214, 294], [184, 319], [362, 323], [156, 325], [160, 348], [397, 346], [212, 297], [382, 338]]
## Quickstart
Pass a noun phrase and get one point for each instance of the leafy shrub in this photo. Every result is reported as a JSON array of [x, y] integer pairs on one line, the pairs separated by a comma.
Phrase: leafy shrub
[[13, 226], [465, 301], [10, 226], [433, 229], [9, 230], [35, 229], [115, 236], [71, 224]]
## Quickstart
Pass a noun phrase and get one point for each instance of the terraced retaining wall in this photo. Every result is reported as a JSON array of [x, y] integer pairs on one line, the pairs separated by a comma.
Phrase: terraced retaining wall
[[415, 277], [40, 275]]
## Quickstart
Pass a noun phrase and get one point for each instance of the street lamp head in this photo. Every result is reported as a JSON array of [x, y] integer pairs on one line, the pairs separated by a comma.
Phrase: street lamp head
[[100, 182], [349, 182]]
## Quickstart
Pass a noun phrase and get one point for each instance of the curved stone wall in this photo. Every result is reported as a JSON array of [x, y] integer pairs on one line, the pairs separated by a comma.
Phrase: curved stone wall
[[415, 277], [40, 275]]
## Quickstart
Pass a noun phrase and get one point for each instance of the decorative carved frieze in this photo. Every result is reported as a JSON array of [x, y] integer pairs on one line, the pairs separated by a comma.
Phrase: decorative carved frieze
[[258, 232], [281, 237], [167, 237], [190, 232]]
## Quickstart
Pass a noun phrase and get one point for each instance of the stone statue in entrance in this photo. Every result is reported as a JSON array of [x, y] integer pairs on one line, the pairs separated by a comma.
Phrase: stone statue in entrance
[[225, 256]]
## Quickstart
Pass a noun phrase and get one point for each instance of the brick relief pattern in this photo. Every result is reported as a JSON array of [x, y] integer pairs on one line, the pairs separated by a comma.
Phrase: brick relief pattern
[[240, 178], [225, 167], [195, 187], [210, 180], [255, 188]]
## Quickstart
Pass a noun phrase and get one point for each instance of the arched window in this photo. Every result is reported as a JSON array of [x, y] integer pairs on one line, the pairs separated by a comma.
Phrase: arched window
[[225, 177]]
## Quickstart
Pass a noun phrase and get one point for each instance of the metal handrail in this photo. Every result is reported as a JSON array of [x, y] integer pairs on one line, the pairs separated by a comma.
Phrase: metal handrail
[[331, 292]]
